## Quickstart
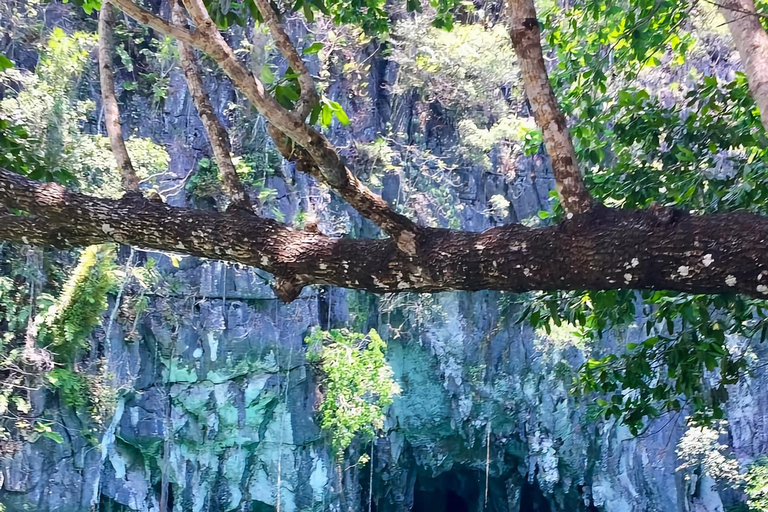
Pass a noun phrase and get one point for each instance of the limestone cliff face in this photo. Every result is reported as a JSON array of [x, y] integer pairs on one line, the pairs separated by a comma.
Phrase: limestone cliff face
[[220, 409]]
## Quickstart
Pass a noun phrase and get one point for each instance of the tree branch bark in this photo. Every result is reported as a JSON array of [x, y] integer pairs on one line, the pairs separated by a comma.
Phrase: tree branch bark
[[601, 250], [526, 38], [332, 169], [156, 22], [217, 134], [309, 96], [751, 41], [111, 111]]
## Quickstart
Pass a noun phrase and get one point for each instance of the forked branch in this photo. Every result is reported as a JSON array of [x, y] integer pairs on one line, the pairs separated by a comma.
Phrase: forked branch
[[217, 134], [309, 96], [332, 169]]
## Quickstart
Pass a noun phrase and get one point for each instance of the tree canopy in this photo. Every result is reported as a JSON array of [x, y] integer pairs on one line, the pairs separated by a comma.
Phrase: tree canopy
[[661, 200]]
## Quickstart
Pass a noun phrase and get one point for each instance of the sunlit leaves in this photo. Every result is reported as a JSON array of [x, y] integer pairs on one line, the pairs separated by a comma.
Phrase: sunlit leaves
[[287, 92], [325, 111], [358, 384], [5, 63], [373, 16], [757, 484], [88, 5], [18, 153], [313, 48]]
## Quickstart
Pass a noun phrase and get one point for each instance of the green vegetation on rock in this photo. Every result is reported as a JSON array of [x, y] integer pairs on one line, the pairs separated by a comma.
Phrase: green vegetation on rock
[[357, 385], [757, 485]]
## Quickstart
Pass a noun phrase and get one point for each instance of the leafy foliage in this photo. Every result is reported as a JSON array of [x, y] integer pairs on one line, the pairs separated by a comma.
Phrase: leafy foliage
[[358, 384], [72, 386], [700, 449], [455, 69], [17, 153], [83, 300], [757, 485], [695, 143], [41, 124], [372, 15]]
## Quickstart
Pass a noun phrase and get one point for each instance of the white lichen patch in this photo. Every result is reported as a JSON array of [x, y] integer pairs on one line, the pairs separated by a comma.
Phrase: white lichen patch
[[526, 272], [762, 289], [106, 228], [180, 246], [479, 247], [683, 270], [628, 278], [635, 262], [707, 260], [730, 280]]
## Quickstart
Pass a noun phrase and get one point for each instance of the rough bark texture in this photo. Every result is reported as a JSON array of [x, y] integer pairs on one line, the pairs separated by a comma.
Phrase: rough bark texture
[[111, 112], [526, 38], [217, 134], [751, 41], [604, 249]]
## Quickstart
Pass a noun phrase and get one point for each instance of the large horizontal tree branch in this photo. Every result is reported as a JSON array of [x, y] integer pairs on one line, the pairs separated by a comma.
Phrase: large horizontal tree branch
[[604, 249]]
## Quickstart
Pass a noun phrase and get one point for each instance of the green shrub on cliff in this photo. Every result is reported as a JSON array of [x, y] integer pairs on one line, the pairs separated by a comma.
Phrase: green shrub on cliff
[[358, 384]]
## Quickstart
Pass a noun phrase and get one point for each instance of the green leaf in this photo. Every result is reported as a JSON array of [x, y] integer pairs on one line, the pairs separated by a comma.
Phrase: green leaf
[[54, 436], [313, 116], [313, 48], [341, 115], [267, 76], [326, 115], [5, 62]]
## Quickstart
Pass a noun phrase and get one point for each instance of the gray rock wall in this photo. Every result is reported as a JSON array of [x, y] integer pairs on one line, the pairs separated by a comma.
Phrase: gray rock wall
[[219, 403]]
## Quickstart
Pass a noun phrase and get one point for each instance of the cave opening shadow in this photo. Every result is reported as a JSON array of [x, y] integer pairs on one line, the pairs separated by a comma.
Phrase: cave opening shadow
[[532, 499], [455, 491]]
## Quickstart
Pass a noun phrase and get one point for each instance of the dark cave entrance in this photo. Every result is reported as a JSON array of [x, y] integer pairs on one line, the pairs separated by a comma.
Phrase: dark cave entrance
[[463, 490], [437, 501], [532, 499], [455, 491]]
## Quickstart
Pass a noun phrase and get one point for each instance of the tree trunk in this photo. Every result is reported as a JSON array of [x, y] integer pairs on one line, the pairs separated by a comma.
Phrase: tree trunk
[[111, 112], [526, 38], [752, 43]]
